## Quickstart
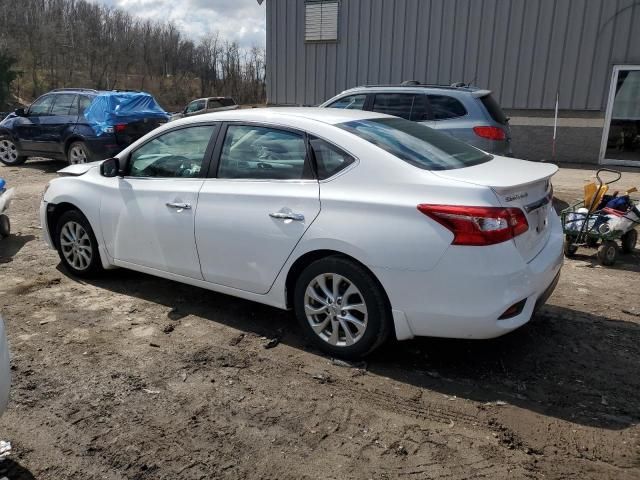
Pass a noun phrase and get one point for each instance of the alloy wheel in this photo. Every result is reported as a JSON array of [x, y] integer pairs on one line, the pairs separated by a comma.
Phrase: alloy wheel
[[76, 245], [77, 154], [335, 309], [8, 151]]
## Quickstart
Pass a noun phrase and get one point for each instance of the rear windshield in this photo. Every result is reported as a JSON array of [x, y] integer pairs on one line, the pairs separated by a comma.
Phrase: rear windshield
[[416, 144], [494, 109]]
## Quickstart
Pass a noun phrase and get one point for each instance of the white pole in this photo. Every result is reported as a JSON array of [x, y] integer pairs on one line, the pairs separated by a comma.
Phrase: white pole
[[555, 128]]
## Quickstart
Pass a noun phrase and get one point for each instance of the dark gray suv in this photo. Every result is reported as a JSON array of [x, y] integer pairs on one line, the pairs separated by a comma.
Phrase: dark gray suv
[[465, 112]]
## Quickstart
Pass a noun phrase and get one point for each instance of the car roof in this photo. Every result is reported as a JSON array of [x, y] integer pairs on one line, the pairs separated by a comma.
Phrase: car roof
[[330, 116]]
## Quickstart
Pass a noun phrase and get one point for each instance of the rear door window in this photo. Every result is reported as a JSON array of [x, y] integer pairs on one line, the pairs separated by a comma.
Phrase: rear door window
[[227, 102], [351, 102], [63, 104], [329, 158], [409, 106], [445, 107], [256, 152]]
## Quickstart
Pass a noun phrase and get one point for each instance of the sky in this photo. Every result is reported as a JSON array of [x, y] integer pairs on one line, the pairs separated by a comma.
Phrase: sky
[[239, 20]]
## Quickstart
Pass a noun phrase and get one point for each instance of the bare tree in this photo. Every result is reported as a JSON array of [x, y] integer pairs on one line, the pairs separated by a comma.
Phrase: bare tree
[[60, 43]]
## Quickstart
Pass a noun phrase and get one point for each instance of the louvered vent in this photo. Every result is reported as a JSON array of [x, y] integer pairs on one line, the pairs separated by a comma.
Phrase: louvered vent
[[321, 21]]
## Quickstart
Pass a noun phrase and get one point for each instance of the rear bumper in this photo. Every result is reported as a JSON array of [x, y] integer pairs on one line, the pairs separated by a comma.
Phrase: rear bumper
[[104, 147], [471, 287]]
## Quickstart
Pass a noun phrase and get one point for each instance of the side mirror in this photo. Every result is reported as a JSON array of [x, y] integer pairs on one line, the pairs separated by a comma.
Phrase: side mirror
[[110, 167], [20, 112]]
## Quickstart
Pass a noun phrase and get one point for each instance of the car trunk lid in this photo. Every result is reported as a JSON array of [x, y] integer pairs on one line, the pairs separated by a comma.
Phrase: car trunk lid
[[516, 183]]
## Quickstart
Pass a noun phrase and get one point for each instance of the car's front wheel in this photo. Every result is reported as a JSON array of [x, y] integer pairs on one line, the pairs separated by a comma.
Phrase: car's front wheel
[[78, 153], [9, 154], [77, 245], [342, 308]]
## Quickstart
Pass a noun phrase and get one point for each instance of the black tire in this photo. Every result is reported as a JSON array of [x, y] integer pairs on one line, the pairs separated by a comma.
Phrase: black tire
[[378, 312], [5, 226], [569, 248], [608, 252], [629, 241], [83, 267], [78, 152], [9, 153]]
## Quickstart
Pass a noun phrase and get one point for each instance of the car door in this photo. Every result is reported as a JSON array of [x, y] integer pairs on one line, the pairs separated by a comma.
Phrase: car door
[[262, 199], [147, 216], [62, 116], [29, 129]]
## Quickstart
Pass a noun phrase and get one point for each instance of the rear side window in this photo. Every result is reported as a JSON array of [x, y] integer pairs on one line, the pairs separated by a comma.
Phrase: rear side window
[[403, 105], [444, 107], [329, 159], [352, 102], [494, 109], [416, 144], [63, 104], [79, 105]]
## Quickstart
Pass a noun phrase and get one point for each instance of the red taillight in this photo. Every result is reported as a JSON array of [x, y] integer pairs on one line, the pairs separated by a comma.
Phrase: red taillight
[[491, 133], [478, 225], [120, 127]]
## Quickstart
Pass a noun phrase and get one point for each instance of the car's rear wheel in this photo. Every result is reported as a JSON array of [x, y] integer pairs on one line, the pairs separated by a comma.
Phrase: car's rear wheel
[[78, 153], [342, 308], [77, 245], [9, 154]]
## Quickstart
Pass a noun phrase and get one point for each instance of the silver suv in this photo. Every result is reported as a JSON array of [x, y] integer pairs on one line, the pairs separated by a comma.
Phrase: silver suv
[[464, 112]]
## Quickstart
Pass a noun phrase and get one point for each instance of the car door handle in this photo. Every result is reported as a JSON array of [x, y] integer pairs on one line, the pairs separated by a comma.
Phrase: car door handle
[[179, 206], [298, 217]]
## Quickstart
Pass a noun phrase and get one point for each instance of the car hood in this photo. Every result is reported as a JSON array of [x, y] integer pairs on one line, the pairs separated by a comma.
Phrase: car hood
[[79, 168]]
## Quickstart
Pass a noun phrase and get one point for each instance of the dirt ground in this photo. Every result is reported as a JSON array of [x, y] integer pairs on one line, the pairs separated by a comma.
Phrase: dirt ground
[[136, 377]]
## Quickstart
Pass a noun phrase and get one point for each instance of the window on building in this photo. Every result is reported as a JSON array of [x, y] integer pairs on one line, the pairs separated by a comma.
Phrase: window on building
[[321, 21], [404, 105], [444, 107]]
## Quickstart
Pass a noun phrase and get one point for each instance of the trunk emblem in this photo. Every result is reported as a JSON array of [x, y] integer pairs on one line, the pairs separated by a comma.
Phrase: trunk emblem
[[516, 196]]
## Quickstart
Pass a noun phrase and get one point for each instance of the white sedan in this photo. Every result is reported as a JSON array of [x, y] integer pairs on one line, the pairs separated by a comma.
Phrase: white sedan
[[365, 225]]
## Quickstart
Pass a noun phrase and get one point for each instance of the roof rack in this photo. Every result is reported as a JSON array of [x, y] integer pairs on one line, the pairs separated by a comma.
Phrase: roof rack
[[69, 89], [416, 83]]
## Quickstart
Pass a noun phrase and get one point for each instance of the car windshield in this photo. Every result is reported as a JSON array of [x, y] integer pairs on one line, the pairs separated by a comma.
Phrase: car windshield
[[416, 144]]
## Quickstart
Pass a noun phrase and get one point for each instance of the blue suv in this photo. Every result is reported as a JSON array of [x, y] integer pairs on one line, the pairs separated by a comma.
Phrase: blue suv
[[78, 125]]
